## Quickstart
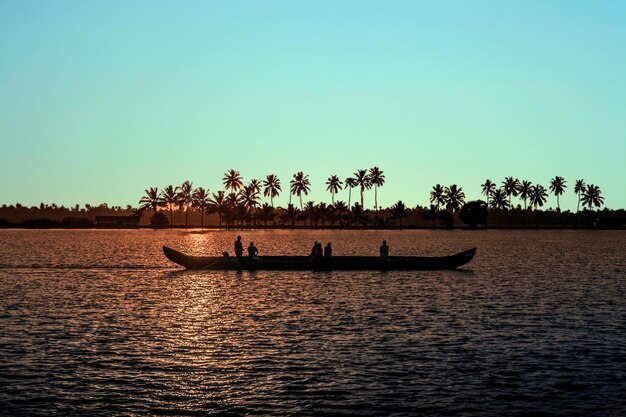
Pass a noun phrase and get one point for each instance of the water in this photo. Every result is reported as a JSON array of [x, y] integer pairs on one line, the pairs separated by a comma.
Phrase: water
[[99, 323]]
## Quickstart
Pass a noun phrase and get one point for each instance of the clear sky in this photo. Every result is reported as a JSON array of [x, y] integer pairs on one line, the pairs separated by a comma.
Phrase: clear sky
[[102, 99]]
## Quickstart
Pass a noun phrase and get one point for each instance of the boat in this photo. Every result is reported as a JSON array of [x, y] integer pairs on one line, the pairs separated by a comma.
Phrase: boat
[[302, 263]]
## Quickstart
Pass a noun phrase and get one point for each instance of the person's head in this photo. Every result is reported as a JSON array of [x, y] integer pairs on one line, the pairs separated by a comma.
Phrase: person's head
[[315, 243], [238, 237], [384, 243], [328, 244], [251, 244]]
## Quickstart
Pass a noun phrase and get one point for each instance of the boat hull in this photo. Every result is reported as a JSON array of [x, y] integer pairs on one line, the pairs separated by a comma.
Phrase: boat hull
[[302, 263]]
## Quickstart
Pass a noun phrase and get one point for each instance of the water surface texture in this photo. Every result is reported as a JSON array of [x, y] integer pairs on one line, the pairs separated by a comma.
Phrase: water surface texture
[[99, 323]]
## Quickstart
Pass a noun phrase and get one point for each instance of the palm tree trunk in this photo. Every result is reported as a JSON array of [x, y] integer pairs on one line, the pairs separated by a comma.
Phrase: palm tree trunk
[[577, 208], [202, 218], [349, 196], [376, 199], [171, 218], [187, 217]]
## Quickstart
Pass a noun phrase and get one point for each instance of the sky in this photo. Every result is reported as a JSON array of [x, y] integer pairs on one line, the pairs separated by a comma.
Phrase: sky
[[100, 100]]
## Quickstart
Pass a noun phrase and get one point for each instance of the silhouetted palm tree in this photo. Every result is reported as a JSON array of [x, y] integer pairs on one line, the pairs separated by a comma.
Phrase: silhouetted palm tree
[[249, 198], [455, 197], [498, 201], [350, 184], [538, 196], [579, 188], [323, 211], [557, 186], [524, 194], [152, 200], [300, 185], [400, 211], [334, 185], [311, 211], [377, 179], [271, 187], [255, 185], [438, 195], [200, 199], [592, 197], [511, 188], [219, 204], [363, 181], [232, 180], [170, 198], [488, 188], [185, 199], [266, 213]]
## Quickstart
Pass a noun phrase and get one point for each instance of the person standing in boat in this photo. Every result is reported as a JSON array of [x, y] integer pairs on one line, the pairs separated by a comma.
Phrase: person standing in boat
[[238, 248], [384, 250]]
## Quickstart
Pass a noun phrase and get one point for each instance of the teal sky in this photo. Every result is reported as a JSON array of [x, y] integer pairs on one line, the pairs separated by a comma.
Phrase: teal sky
[[102, 99]]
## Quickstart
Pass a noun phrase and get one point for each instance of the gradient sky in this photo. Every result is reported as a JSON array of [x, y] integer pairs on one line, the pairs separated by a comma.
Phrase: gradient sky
[[102, 99]]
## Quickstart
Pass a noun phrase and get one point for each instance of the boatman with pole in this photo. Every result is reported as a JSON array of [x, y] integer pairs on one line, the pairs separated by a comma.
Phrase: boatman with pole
[[239, 251]]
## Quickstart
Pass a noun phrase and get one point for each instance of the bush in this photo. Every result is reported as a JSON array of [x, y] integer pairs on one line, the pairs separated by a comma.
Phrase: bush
[[159, 220], [474, 213]]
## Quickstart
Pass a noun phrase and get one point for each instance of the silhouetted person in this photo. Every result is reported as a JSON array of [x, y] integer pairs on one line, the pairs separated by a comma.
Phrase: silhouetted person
[[253, 252], [384, 250], [313, 253], [319, 252], [239, 251], [238, 248], [328, 251]]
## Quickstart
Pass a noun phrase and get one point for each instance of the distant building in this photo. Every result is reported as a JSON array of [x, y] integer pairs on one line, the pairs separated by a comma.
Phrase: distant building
[[117, 222]]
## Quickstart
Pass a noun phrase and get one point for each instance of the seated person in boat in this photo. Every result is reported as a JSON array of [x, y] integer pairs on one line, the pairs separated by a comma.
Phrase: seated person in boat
[[328, 251], [253, 252], [384, 250]]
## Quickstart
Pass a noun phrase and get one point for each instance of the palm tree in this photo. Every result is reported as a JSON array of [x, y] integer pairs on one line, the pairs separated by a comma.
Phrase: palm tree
[[524, 194], [232, 180], [267, 213], [363, 181], [350, 184], [438, 195], [185, 199], [377, 179], [511, 188], [455, 197], [300, 184], [170, 198], [538, 196], [311, 211], [579, 188], [557, 186], [200, 199], [219, 204], [488, 188], [399, 211], [271, 187], [152, 200], [249, 197], [498, 201], [255, 185], [334, 185], [322, 211], [592, 197]]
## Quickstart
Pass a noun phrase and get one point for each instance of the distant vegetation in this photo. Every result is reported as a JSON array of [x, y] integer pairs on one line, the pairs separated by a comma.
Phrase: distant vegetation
[[240, 204]]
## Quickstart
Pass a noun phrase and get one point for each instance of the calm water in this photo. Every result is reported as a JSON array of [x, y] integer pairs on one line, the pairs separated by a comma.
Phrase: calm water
[[99, 323]]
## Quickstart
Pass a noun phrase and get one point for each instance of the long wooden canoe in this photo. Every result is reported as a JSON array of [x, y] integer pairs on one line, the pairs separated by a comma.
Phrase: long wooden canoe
[[299, 263]]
